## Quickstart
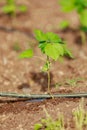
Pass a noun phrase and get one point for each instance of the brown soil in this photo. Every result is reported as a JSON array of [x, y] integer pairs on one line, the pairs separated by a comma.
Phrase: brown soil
[[24, 76]]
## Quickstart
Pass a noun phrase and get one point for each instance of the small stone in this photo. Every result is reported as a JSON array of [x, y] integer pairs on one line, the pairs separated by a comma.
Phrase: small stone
[[61, 73]]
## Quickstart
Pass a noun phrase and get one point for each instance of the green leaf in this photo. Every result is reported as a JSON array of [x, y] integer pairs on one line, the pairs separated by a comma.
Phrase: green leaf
[[67, 52], [54, 50], [40, 36], [67, 6], [46, 66], [10, 2], [52, 37], [9, 9], [80, 5], [26, 54], [83, 18], [83, 28], [64, 24], [37, 126], [42, 46], [22, 8]]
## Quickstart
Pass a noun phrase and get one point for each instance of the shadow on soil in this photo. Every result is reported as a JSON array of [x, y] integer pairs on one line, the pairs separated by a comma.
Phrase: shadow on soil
[[41, 79], [13, 100]]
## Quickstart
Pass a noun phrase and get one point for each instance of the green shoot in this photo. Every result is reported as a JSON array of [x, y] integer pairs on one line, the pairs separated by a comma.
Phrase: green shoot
[[64, 25], [10, 8], [38, 126], [73, 82], [52, 46], [50, 124], [80, 6], [16, 47], [80, 116], [70, 82]]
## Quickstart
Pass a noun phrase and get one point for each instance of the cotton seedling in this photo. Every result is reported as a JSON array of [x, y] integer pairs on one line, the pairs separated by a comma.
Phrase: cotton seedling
[[52, 46], [11, 8], [80, 6]]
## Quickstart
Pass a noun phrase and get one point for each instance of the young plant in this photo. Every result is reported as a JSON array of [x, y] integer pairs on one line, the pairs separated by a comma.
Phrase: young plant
[[52, 46], [11, 8], [16, 47], [74, 81], [50, 124], [80, 116], [64, 25], [80, 6]]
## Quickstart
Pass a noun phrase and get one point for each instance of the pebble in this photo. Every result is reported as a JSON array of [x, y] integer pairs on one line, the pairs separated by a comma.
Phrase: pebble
[[61, 73]]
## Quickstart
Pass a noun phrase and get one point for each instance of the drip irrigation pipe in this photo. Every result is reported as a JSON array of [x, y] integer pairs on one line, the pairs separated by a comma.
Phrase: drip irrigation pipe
[[43, 96]]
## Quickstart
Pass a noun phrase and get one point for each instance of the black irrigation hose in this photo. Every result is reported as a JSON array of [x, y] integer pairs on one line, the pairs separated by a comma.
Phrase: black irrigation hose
[[43, 96]]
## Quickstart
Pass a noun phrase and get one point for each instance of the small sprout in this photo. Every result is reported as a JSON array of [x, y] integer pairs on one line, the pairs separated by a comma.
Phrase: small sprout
[[57, 85], [80, 116], [16, 47], [38, 126], [22, 8], [49, 124], [80, 6], [64, 25], [73, 82], [52, 46], [10, 8]]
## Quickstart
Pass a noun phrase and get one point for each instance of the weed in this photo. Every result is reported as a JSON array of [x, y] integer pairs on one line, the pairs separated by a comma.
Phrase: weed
[[73, 82], [57, 85], [16, 47], [70, 82], [80, 116], [52, 46], [38, 126], [50, 124], [10, 8]]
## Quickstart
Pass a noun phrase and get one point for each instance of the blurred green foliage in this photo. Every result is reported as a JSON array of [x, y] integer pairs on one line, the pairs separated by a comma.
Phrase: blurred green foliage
[[11, 7]]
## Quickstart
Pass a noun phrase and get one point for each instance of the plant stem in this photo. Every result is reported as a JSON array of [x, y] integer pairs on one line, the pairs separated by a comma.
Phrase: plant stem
[[48, 76], [83, 36]]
